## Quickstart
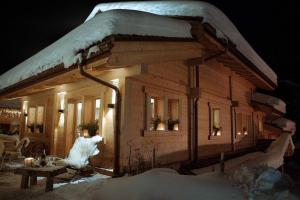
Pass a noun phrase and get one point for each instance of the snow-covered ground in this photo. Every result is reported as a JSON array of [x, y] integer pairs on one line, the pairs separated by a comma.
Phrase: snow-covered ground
[[274, 157], [160, 183], [275, 102]]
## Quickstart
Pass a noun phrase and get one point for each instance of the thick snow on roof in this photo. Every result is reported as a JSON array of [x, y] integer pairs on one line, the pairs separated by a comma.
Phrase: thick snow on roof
[[212, 15], [123, 22], [275, 102], [285, 124]]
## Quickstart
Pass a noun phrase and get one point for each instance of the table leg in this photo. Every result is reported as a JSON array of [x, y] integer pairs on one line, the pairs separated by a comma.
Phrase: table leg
[[33, 180], [49, 184], [24, 181]]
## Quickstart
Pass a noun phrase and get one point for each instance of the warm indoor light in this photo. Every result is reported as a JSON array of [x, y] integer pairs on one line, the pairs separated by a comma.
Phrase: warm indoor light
[[218, 133], [239, 133], [176, 127], [161, 127]]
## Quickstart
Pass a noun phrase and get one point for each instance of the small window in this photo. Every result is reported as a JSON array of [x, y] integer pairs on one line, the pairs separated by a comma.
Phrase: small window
[[173, 114], [162, 112], [239, 124], [40, 119], [31, 120], [78, 116], [216, 124], [35, 123], [97, 109], [157, 110], [243, 124]]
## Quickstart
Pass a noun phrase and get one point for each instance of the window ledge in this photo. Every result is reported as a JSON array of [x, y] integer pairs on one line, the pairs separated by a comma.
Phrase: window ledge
[[162, 133]]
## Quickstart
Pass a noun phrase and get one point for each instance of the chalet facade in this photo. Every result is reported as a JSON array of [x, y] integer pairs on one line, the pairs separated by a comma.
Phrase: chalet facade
[[159, 95]]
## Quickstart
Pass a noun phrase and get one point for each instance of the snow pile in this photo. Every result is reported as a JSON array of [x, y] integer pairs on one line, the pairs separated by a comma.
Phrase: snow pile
[[274, 157], [82, 150], [275, 102], [212, 15], [285, 124], [160, 183], [108, 23], [261, 182]]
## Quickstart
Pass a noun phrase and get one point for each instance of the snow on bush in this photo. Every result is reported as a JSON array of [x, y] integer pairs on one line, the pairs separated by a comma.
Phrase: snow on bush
[[261, 182]]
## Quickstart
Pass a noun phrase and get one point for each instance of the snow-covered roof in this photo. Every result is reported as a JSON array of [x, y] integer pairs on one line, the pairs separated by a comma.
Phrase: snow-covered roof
[[115, 22], [212, 15], [285, 124], [275, 102]]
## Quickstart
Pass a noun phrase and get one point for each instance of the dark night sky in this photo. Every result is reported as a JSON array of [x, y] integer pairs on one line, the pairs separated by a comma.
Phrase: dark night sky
[[30, 26]]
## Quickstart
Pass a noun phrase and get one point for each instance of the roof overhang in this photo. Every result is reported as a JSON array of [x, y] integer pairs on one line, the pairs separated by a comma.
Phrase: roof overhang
[[268, 109], [138, 50], [234, 59]]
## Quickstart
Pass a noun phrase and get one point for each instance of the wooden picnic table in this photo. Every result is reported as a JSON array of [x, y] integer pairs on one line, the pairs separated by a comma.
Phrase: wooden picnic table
[[32, 173]]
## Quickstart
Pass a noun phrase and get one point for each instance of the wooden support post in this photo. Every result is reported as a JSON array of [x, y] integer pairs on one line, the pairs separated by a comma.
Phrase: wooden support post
[[49, 184], [24, 181], [33, 180]]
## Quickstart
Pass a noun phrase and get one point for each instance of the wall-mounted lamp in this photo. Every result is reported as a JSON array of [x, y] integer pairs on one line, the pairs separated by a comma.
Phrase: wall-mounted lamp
[[61, 111], [111, 105]]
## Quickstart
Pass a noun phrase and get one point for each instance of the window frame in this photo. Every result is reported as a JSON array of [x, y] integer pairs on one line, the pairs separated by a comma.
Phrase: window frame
[[165, 95]]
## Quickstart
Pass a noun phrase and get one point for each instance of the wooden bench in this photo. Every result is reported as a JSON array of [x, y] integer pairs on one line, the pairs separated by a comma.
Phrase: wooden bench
[[32, 174]]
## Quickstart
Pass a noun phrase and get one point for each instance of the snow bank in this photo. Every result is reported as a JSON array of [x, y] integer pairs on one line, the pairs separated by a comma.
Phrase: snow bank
[[81, 151], [212, 15], [285, 124], [275, 102], [274, 157], [108, 23], [154, 184]]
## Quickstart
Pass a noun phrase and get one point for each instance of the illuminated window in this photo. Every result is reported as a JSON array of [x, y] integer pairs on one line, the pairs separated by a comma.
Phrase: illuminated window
[[173, 114], [239, 124], [163, 113], [31, 119], [40, 119], [216, 125], [35, 123], [97, 109], [78, 115], [157, 113]]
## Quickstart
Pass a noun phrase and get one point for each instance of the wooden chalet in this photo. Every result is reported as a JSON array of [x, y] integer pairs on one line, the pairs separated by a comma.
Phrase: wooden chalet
[[158, 100]]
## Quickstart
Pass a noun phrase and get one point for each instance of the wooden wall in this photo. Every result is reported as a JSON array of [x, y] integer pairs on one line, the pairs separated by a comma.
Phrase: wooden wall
[[47, 100], [170, 146], [215, 92], [214, 88]]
